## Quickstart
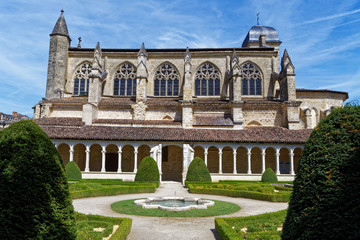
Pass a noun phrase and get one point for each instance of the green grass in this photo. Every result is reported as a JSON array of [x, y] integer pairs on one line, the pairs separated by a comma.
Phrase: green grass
[[85, 225], [264, 226], [253, 190], [220, 208]]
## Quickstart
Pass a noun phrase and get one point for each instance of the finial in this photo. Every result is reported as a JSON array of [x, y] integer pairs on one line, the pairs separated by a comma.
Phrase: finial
[[62, 11], [79, 44], [257, 18], [142, 51], [187, 56]]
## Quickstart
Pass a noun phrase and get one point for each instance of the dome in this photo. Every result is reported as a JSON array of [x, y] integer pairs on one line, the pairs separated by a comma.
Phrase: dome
[[254, 34]]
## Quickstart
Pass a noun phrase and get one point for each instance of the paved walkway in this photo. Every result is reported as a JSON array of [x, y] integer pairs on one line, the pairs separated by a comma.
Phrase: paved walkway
[[173, 228]]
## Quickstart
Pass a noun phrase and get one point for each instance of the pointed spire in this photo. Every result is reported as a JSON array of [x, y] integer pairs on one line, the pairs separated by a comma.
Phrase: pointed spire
[[60, 27], [142, 51], [187, 57], [234, 59], [285, 60], [96, 64]]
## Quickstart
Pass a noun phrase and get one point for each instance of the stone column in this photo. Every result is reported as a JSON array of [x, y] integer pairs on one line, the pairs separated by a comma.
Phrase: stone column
[[277, 161], [206, 155], [71, 151], [56, 146], [249, 161], [103, 156], [234, 161], [220, 160], [292, 172], [160, 160], [135, 158], [87, 161], [263, 154], [119, 159]]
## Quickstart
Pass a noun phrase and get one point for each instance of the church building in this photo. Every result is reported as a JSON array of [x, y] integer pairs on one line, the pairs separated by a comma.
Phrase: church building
[[236, 108]]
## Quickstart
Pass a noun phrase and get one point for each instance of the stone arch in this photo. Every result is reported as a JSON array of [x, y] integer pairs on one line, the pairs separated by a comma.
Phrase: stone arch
[[167, 80], [199, 152], [297, 155], [124, 80], [172, 163], [284, 161], [227, 160], [80, 155], [254, 123], [80, 78], [143, 151], [64, 151], [250, 77], [241, 160], [112, 157], [127, 158], [95, 157], [204, 80], [213, 159], [270, 158], [256, 160]]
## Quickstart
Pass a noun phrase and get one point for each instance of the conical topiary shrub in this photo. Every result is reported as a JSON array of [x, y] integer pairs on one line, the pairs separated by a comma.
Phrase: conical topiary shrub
[[148, 171], [34, 195], [269, 176], [73, 171], [325, 203], [197, 171]]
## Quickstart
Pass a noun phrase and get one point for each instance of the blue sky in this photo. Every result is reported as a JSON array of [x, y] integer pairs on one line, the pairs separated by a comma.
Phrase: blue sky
[[322, 37]]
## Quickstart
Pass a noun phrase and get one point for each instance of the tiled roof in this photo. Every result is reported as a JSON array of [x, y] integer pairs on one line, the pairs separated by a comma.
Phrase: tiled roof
[[212, 120], [59, 122], [247, 135], [139, 122]]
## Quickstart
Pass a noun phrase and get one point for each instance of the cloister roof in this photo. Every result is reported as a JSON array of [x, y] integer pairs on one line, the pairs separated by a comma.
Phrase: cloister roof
[[79, 131]]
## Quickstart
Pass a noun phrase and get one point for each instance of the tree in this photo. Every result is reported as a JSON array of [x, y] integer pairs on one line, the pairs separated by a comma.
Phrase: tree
[[72, 171], [34, 195], [269, 176], [325, 203], [197, 171]]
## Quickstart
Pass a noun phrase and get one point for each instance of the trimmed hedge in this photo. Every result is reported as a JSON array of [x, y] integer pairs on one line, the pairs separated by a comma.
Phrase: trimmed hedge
[[269, 176], [72, 171], [110, 191], [198, 171], [148, 171], [34, 195], [278, 197], [124, 224], [325, 203]]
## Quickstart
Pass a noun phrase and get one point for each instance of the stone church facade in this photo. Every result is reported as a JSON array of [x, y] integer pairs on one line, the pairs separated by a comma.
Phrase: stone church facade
[[236, 108]]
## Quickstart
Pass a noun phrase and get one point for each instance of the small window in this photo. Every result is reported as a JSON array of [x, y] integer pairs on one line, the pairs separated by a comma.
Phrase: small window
[[125, 80], [251, 79], [166, 81], [81, 79], [207, 80]]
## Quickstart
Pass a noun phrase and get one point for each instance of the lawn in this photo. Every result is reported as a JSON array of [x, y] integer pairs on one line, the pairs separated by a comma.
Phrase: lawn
[[97, 227], [264, 226], [220, 208]]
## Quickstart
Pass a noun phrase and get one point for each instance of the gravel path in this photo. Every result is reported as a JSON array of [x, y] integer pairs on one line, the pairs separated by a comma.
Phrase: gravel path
[[173, 228]]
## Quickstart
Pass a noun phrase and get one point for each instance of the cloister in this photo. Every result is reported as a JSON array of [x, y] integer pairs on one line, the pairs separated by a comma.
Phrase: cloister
[[225, 161]]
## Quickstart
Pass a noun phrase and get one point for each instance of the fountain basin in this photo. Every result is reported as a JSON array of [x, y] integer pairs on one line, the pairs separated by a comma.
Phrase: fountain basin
[[174, 204]]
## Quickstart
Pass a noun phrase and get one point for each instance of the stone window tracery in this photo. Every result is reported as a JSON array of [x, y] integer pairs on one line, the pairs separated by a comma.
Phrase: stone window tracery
[[125, 80], [207, 80], [251, 79], [166, 81], [81, 79]]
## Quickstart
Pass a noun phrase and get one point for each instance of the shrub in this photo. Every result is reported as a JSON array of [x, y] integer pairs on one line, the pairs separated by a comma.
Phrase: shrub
[[198, 172], [34, 196], [326, 197], [269, 176], [72, 171], [148, 171]]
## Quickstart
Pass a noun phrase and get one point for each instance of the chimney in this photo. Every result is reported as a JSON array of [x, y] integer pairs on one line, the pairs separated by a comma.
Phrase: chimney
[[14, 114], [262, 40]]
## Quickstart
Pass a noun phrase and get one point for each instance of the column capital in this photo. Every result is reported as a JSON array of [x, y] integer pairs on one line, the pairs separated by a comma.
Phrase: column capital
[[206, 150], [249, 150], [87, 150], [103, 151]]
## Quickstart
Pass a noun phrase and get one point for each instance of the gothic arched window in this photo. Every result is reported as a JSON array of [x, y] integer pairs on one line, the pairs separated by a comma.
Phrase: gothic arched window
[[166, 81], [125, 80], [207, 80], [251, 79], [81, 79]]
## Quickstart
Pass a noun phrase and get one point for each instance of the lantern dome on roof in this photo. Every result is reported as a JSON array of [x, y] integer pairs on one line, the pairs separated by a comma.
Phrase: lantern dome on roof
[[255, 32]]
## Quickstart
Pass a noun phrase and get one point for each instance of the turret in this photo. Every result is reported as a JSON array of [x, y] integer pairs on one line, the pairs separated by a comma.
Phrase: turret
[[58, 56]]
